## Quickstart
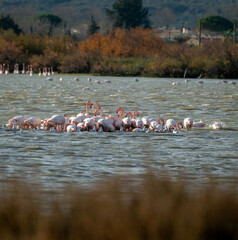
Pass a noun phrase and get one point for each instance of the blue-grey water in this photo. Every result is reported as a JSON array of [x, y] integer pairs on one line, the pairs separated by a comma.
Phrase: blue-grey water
[[56, 160]]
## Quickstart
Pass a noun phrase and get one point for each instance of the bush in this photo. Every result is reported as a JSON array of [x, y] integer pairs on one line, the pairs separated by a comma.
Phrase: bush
[[120, 209]]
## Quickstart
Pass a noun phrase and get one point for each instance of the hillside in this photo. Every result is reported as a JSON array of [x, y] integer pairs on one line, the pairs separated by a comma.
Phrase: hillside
[[168, 13]]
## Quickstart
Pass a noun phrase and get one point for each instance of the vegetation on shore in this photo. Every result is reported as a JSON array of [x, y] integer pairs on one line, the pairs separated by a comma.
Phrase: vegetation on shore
[[134, 52], [119, 209]]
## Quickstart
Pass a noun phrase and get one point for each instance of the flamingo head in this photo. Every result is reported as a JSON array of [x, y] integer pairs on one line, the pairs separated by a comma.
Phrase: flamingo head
[[120, 112], [89, 104], [189, 125], [120, 109]]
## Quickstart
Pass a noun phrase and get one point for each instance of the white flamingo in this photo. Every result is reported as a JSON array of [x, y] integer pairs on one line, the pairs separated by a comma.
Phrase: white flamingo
[[7, 70], [147, 119], [188, 123], [88, 123], [23, 69], [18, 120], [156, 126], [117, 121], [126, 122], [71, 128], [81, 127], [217, 125], [33, 122], [56, 121], [1, 69], [139, 129], [88, 104], [199, 124], [106, 125], [170, 125], [178, 128], [138, 121]]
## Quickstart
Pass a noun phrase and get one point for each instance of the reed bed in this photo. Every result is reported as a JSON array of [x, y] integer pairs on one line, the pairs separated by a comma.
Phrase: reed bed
[[119, 209]]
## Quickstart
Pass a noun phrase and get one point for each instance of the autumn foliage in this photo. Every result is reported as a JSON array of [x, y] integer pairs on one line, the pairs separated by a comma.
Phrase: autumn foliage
[[124, 43], [121, 52]]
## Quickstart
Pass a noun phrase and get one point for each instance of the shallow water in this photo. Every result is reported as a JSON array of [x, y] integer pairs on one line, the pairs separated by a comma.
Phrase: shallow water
[[56, 160]]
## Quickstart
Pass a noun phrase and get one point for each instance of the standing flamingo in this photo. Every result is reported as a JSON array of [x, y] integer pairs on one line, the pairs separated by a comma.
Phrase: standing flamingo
[[126, 122], [138, 121], [97, 118], [93, 107], [88, 103], [117, 122], [1, 69], [23, 69], [7, 70]]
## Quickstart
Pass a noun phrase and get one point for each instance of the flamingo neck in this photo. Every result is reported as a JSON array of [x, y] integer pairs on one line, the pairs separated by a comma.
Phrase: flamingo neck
[[161, 119], [179, 124], [99, 110], [120, 112], [99, 107], [129, 113], [135, 113], [87, 103]]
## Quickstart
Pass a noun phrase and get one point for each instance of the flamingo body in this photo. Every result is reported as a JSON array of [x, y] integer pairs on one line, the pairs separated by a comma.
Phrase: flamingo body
[[188, 123]]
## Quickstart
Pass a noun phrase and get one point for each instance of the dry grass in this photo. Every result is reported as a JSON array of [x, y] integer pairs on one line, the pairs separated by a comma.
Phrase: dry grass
[[116, 209]]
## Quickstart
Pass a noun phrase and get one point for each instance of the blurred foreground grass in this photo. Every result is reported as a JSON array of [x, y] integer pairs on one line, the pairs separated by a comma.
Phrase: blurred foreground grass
[[119, 209]]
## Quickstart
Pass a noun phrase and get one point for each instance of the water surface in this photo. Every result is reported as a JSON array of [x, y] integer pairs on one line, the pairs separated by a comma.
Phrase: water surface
[[56, 160]]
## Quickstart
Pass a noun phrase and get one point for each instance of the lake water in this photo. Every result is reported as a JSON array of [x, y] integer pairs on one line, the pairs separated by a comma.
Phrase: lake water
[[56, 160]]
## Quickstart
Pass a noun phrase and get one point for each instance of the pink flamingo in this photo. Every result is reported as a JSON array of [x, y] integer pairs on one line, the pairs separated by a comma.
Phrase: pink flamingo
[[33, 122], [178, 128], [170, 125], [56, 121], [126, 122], [88, 103], [117, 122], [199, 124], [18, 121], [93, 107], [133, 120], [71, 128], [188, 123]]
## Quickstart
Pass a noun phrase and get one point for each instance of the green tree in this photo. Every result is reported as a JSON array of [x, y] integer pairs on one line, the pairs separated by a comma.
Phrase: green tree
[[215, 24], [6, 22], [52, 21], [92, 27], [129, 14]]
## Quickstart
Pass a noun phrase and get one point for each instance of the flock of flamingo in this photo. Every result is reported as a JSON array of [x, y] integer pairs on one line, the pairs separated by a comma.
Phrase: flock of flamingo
[[4, 69], [97, 123]]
